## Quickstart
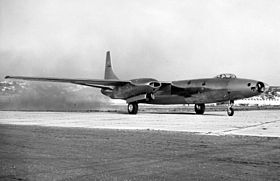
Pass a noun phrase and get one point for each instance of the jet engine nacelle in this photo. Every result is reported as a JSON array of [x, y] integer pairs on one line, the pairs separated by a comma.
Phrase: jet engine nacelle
[[155, 85], [260, 87], [129, 91]]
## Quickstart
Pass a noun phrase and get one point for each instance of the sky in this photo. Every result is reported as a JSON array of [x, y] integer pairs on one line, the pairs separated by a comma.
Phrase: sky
[[162, 39]]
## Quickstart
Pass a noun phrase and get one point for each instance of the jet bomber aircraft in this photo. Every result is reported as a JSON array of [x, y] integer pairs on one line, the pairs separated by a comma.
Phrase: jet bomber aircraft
[[222, 88]]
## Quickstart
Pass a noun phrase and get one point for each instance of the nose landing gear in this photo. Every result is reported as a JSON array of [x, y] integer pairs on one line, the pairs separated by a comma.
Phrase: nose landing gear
[[199, 108], [230, 110]]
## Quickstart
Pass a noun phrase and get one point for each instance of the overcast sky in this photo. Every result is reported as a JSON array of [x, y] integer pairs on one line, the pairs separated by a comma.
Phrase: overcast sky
[[166, 40]]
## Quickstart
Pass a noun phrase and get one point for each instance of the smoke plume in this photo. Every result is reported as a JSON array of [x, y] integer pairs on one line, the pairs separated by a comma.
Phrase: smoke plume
[[50, 97]]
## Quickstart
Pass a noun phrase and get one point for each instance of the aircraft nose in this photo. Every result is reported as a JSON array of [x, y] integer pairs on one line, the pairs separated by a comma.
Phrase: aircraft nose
[[261, 87]]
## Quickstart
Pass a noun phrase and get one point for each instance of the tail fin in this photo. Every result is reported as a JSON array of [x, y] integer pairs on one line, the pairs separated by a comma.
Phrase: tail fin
[[109, 73]]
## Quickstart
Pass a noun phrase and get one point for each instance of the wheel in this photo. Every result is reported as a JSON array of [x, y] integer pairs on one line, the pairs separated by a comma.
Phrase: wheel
[[199, 108], [230, 111], [132, 108]]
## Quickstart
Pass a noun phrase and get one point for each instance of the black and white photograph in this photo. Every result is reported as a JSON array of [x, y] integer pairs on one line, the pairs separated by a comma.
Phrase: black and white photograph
[[129, 90]]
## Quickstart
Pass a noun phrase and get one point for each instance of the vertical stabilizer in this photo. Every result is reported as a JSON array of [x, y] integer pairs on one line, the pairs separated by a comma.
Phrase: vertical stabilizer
[[109, 73]]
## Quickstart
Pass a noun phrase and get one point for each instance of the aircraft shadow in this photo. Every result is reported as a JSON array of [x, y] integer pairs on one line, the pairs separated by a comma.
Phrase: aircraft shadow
[[179, 113], [186, 113]]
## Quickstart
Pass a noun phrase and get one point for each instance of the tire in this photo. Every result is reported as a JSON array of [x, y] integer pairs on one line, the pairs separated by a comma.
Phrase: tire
[[132, 108], [230, 111], [199, 108]]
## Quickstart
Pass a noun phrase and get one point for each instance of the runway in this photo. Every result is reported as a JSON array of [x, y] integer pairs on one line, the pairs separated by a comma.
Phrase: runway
[[251, 123], [118, 146]]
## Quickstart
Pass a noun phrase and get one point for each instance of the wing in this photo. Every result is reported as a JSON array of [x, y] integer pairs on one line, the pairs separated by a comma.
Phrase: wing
[[275, 87], [98, 83]]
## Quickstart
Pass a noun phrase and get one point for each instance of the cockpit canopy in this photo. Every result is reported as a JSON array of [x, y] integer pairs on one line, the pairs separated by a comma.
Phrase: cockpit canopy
[[226, 76]]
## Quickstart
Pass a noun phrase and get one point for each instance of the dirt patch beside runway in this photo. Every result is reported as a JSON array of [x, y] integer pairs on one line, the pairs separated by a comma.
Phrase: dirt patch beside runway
[[49, 153]]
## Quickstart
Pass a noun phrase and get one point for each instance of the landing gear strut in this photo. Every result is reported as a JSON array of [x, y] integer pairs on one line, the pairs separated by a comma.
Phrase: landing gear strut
[[230, 110], [199, 108], [132, 108]]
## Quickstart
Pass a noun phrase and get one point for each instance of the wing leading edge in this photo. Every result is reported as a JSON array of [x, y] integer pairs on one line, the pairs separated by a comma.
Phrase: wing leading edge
[[98, 83]]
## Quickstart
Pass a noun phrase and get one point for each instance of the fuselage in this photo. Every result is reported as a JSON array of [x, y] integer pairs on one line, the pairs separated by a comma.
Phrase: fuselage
[[195, 91], [212, 90]]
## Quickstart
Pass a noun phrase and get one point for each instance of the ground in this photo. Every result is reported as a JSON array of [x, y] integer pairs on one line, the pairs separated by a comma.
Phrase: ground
[[32, 148]]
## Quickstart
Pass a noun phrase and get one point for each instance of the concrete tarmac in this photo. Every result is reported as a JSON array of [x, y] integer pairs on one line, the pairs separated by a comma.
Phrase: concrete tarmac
[[118, 146], [252, 123]]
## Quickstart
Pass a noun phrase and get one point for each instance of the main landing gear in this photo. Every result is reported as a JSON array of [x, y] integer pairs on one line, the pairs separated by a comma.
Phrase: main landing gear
[[230, 110], [132, 108], [199, 108]]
